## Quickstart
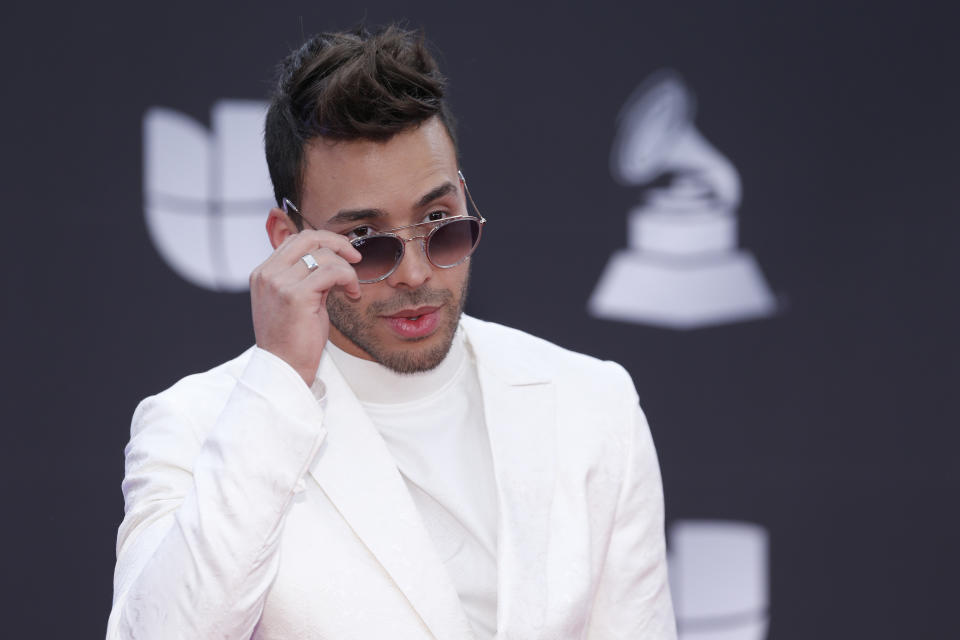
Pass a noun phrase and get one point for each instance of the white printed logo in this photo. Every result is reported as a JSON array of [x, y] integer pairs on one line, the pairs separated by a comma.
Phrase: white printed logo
[[683, 269], [207, 194], [719, 579]]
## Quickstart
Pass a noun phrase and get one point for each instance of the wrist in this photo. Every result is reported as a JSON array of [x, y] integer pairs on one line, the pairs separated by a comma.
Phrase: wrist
[[307, 371]]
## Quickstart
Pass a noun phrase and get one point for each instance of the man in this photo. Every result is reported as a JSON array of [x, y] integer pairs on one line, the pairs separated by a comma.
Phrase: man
[[378, 465]]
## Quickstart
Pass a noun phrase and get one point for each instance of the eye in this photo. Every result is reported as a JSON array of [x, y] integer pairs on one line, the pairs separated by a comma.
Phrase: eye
[[358, 232], [435, 216]]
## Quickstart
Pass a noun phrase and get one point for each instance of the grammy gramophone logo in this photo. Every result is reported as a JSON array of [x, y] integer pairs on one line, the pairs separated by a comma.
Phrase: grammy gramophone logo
[[682, 268]]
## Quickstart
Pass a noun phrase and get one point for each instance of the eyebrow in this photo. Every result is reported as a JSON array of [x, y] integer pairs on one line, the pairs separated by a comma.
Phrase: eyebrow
[[443, 190], [355, 215]]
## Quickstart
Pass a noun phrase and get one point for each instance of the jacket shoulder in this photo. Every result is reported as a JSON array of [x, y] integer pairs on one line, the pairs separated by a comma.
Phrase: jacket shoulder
[[198, 398], [513, 349]]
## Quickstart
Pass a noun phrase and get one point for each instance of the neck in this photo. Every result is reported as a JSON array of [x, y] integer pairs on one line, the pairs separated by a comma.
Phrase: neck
[[346, 345]]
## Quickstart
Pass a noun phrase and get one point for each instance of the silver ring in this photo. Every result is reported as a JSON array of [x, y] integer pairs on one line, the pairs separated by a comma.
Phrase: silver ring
[[310, 261]]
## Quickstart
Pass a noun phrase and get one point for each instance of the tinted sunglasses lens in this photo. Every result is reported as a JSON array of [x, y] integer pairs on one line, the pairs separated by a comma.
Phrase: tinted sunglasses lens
[[378, 256], [452, 242]]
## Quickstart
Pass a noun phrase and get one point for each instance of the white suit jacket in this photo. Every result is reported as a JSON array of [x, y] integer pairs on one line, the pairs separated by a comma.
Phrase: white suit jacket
[[257, 507]]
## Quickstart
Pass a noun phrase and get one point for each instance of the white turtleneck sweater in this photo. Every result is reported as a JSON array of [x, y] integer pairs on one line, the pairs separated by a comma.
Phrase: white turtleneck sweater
[[433, 425]]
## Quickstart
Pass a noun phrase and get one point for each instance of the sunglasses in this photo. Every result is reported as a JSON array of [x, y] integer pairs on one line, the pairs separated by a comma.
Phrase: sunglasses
[[446, 243]]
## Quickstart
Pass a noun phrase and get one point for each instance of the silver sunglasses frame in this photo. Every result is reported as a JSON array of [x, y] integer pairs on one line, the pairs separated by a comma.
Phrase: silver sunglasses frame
[[424, 238]]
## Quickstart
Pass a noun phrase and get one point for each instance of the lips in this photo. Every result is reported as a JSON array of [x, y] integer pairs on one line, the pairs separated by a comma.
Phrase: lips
[[415, 323]]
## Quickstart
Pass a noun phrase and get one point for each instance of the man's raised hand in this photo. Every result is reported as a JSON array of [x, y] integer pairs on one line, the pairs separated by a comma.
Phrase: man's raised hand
[[289, 299]]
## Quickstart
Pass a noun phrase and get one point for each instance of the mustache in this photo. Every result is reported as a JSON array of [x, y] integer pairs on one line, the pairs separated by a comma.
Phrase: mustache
[[408, 299]]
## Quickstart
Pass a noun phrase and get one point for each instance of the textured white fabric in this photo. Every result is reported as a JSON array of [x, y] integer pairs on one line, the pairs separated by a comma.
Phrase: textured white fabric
[[432, 423], [256, 507]]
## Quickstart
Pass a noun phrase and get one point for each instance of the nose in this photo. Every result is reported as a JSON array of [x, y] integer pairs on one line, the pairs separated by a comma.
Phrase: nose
[[414, 268]]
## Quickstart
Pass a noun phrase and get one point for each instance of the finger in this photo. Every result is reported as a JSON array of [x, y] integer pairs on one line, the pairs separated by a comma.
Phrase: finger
[[332, 274], [310, 239], [326, 259], [294, 247], [322, 256], [272, 258], [350, 281]]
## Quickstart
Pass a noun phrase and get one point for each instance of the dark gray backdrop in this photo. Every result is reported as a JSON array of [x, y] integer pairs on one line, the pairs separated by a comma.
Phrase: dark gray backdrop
[[832, 424]]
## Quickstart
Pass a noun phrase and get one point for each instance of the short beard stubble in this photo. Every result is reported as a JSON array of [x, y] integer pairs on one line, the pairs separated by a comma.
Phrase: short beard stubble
[[358, 327]]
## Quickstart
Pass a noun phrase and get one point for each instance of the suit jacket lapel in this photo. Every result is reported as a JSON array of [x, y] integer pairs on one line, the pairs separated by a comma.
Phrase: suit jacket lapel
[[358, 474], [519, 404]]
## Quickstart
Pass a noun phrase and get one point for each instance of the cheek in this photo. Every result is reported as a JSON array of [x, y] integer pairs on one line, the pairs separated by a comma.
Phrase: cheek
[[457, 278], [339, 305], [375, 298]]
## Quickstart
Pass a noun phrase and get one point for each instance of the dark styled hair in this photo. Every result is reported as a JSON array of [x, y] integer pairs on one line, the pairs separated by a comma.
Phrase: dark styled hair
[[349, 86]]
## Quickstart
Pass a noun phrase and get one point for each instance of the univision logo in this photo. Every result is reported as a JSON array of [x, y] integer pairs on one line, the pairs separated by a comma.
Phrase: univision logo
[[207, 193], [719, 579]]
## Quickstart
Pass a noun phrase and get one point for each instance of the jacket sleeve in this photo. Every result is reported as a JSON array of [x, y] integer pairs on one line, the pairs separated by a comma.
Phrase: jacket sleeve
[[633, 598], [197, 549]]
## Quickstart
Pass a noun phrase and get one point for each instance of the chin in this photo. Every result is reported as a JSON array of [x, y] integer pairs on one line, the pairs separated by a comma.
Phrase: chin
[[414, 360], [380, 343], [400, 348]]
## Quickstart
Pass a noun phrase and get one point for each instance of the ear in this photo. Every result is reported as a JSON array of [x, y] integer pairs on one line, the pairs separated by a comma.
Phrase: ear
[[279, 226]]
